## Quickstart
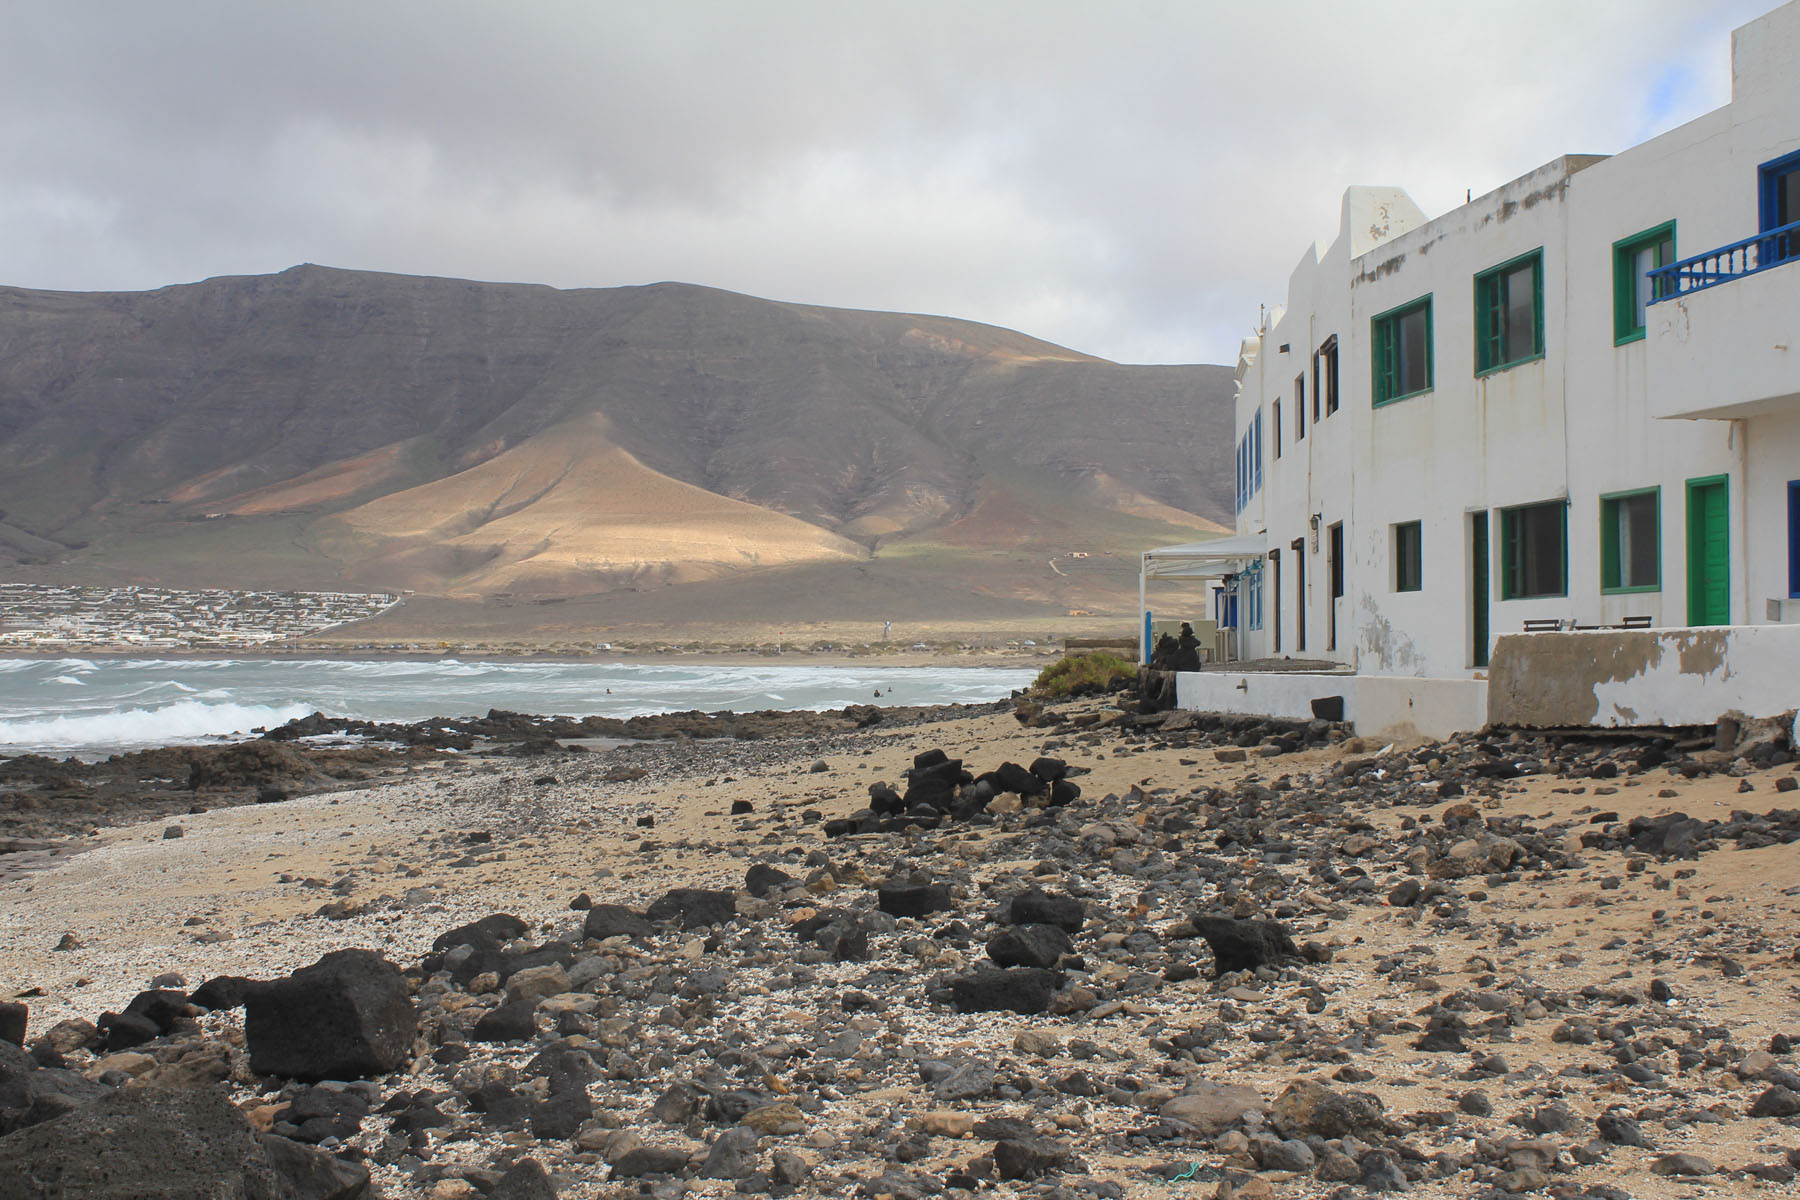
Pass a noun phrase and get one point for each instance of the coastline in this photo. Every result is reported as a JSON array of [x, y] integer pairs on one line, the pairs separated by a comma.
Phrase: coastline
[[725, 658], [1547, 932]]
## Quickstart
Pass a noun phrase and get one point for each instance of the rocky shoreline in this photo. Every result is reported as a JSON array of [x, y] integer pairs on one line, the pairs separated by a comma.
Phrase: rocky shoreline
[[44, 798], [1051, 950]]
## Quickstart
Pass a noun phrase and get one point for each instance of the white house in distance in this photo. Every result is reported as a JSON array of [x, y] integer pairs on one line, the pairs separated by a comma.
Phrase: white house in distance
[[1571, 403]]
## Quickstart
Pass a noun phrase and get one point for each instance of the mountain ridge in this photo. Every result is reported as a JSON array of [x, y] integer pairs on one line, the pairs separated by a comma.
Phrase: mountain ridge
[[324, 426]]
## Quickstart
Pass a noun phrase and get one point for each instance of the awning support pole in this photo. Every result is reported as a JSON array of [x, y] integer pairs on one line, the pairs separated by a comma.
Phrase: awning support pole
[[1143, 616]]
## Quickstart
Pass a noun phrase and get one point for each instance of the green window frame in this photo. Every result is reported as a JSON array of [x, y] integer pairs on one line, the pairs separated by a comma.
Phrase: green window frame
[[1632, 290], [1509, 313], [1403, 359], [1409, 556], [1631, 542], [1534, 550]]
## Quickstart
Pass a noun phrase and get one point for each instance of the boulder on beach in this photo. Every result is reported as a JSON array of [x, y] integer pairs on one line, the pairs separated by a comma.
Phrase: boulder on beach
[[347, 1016], [1245, 945], [1308, 1107], [694, 908], [13, 1019], [1037, 907], [494, 930], [151, 1143], [913, 899], [614, 920], [31, 1094], [1008, 989], [1029, 946]]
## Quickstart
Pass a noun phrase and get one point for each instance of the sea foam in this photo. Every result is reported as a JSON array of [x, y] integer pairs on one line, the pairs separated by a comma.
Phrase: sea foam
[[186, 721]]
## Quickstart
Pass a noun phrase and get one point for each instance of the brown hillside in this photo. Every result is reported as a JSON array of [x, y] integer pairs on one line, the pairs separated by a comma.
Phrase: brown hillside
[[323, 428]]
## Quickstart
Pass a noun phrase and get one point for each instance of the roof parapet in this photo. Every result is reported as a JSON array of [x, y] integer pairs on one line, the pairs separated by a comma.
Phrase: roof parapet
[[1373, 215]]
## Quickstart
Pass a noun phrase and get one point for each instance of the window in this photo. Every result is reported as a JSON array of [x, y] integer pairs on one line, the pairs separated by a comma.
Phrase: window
[[1275, 591], [1249, 462], [1780, 205], [1633, 259], [1325, 376], [1534, 558], [1300, 398], [1409, 557], [1299, 548], [1509, 313], [1334, 554], [1630, 542], [1253, 600], [1402, 357], [1794, 539], [1275, 427]]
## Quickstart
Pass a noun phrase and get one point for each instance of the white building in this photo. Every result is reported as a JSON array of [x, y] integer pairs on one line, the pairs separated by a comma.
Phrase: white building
[[1575, 399]]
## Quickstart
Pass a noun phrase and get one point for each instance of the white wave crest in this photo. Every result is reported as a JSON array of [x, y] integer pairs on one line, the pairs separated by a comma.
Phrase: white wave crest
[[187, 721], [70, 679]]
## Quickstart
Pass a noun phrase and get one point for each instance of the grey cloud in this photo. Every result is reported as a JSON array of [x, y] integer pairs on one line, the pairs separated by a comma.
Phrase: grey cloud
[[1128, 179]]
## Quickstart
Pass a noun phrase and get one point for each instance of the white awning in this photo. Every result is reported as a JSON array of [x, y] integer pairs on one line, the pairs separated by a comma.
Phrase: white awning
[[1205, 560]]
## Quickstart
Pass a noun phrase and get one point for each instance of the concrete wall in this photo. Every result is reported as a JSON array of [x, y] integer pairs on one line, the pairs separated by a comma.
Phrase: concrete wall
[[1390, 708], [1400, 708], [1647, 678], [1264, 695]]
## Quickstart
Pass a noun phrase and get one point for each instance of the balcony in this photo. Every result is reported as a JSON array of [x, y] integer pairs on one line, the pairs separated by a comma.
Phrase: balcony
[[1766, 250], [1720, 352]]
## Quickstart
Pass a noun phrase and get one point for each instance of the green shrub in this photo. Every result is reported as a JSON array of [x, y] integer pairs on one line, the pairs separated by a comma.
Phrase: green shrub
[[1092, 668]]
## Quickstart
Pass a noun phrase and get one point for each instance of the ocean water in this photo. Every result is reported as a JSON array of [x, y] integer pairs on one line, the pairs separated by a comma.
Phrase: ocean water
[[94, 707]]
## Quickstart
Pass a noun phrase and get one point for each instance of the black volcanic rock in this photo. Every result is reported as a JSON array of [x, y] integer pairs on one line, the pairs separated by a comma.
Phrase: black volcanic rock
[[1041, 908], [913, 900], [491, 931], [1014, 989], [693, 908], [1029, 946], [1244, 945], [614, 920], [346, 1016], [157, 1142]]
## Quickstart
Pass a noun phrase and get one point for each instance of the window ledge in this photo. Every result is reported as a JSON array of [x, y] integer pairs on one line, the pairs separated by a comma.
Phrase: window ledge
[[1398, 399], [1507, 366], [1636, 335], [1630, 591]]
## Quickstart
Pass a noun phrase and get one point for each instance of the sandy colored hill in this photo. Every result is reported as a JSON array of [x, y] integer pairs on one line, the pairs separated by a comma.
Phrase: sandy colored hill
[[564, 510]]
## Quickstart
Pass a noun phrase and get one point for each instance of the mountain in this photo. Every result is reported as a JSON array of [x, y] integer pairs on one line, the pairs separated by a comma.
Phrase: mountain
[[326, 428]]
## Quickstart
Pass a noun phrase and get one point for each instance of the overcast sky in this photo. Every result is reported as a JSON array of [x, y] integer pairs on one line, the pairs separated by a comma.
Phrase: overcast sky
[[1127, 178]]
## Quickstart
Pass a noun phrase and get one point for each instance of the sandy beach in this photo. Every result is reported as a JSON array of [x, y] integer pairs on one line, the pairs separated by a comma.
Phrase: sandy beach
[[1501, 994]]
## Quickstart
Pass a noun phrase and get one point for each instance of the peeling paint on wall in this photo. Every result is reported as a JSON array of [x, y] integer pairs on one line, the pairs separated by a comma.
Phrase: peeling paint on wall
[[1703, 652], [1649, 677], [1392, 650]]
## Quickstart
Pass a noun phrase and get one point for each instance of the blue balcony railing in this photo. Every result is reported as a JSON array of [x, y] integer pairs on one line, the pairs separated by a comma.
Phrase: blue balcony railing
[[1770, 248]]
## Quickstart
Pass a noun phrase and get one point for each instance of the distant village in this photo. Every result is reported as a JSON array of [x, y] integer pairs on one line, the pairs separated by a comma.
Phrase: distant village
[[49, 617]]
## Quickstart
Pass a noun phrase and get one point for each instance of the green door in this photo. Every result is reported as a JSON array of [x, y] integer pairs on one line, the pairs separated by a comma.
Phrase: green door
[[1708, 552], [1478, 586]]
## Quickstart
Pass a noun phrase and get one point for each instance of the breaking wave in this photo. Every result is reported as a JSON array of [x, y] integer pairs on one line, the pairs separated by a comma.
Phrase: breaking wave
[[187, 721]]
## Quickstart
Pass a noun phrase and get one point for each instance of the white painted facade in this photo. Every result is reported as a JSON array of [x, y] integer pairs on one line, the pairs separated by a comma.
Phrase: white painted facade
[[1709, 392]]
